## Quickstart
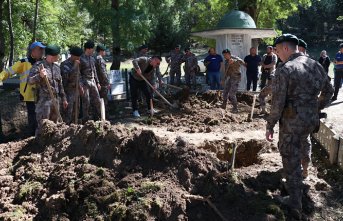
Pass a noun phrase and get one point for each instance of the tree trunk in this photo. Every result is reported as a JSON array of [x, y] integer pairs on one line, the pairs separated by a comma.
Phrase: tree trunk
[[10, 25], [35, 22], [2, 37], [116, 36]]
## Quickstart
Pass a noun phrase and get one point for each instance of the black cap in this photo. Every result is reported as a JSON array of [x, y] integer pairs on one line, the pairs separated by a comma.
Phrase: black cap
[[302, 43], [89, 44], [52, 50], [76, 51], [187, 49], [286, 38], [178, 46], [341, 45], [226, 51], [100, 47], [143, 47]]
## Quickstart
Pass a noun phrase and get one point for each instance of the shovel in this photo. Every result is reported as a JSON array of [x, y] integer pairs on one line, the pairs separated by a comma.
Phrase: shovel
[[158, 93]]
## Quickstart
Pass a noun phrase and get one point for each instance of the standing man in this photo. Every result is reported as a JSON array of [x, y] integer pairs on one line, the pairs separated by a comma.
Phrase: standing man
[[27, 91], [102, 72], [296, 107], [89, 82], [338, 71], [324, 60], [146, 67], [231, 79], [191, 66], [46, 108], [213, 63], [252, 62], [70, 71], [268, 66], [175, 60]]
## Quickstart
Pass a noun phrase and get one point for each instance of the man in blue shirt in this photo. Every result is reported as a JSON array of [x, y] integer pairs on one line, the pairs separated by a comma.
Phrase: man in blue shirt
[[213, 63], [338, 71], [252, 62]]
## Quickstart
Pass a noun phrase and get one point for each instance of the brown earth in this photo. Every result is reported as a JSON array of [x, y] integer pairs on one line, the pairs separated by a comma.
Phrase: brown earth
[[115, 171]]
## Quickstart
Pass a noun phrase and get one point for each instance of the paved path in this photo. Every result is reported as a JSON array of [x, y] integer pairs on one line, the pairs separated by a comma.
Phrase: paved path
[[335, 114]]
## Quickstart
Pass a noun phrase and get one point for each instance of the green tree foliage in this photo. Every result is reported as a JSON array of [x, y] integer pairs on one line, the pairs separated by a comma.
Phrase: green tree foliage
[[317, 23]]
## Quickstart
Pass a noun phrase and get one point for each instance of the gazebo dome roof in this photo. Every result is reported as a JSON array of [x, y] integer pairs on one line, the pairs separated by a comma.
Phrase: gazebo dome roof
[[236, 19]]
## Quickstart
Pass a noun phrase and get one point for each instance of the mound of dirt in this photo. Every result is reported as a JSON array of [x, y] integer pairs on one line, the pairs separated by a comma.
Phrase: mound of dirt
[[100, 171]]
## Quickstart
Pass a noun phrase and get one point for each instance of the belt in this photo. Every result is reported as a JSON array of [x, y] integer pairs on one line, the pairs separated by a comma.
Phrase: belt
[[339, 70]]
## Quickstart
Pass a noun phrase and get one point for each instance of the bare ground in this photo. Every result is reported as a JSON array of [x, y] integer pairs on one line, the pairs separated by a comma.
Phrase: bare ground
[[145, 169]]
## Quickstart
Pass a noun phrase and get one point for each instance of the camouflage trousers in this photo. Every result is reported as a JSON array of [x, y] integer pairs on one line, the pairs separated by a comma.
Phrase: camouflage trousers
[[175, 71], [190, 78], [230, 90], [45, 110], [267, 90], [90, 97], [69, 113], [295, 146]]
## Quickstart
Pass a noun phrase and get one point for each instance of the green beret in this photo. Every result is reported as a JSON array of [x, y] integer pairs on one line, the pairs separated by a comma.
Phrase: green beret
[[100, 47], [76, 51], [52, 50], [287, 38], [302, 43], [226, 51]]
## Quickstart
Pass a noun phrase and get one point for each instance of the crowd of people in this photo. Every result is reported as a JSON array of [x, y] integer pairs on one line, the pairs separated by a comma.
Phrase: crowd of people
[[300, 89], [54, 92]]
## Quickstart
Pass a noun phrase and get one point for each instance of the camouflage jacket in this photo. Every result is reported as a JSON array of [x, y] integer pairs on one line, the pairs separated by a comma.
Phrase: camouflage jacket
[[54, 77], [232, 68], [175, 59], [69, 72], [191, 62], [101, 71], [296, 86], [87, 68], [148, 72]]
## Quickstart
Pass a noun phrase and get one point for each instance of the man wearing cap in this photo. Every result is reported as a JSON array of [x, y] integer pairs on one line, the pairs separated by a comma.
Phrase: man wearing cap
[[27, 91], [70, 71], [191, 67], [102, 72], [175, 60], [89, 82], [147, 67], [45, 108], [296, 107], [269, 61], [231, 80], [302, 46], [338, 71]]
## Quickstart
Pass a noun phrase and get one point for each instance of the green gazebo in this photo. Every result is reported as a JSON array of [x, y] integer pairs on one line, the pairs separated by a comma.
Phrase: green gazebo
[[236, 31]]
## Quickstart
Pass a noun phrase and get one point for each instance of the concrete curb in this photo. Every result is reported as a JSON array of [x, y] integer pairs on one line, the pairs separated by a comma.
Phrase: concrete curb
[[332, 143]]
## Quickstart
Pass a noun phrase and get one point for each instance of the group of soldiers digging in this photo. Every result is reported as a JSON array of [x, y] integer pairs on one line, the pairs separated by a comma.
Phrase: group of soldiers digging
[[53, 92], [148, 68]]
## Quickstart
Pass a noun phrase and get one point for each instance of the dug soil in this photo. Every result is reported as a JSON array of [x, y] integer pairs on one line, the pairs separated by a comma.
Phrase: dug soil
[[176, 165]]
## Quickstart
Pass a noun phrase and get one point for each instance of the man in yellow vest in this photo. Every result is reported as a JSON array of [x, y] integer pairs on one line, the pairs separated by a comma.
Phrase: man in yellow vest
[[27, 91]]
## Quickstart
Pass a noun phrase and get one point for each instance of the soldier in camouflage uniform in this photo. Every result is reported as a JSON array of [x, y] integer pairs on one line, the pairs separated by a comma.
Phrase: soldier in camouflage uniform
[[102, 72], [70, 71], [175, 60], [45, 108], [231, 80], [89, 82], [267, 90], [191, 67], [295, 107]]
